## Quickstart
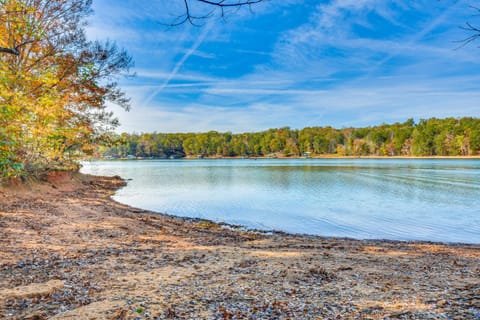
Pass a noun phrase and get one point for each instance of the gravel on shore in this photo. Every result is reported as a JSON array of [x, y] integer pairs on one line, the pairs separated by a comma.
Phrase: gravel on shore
[[70, 252]]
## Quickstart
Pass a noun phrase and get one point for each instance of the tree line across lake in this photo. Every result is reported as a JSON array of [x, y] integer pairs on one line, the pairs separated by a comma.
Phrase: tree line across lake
[[431, 137]]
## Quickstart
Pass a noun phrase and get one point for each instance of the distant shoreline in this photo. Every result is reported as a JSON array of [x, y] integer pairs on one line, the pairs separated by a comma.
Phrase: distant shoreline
[[449, 137], [280, 157], [344, 157]]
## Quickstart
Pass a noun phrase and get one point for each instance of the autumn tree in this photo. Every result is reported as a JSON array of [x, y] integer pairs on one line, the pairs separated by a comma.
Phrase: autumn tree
[[54, 85]]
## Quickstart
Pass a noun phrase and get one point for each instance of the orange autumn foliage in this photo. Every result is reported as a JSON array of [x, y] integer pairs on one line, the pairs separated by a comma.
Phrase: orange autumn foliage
[[54, 85]]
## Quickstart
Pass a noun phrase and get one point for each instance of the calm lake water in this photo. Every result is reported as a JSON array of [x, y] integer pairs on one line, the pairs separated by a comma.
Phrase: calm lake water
[[401, 199]]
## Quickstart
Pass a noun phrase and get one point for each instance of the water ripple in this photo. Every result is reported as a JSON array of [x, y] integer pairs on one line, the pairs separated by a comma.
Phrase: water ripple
[[399, 199]]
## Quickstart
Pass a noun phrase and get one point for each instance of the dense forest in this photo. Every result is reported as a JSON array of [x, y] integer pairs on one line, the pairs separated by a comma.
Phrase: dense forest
[[431, 137]]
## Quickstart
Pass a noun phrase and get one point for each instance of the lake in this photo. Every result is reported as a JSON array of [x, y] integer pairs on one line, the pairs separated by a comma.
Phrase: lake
[[398, 199]]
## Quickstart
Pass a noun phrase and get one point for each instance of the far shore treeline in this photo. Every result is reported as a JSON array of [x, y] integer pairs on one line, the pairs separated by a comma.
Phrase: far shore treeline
[[431, 137]]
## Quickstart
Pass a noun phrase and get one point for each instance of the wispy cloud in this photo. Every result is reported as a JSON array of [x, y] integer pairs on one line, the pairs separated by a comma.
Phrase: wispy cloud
[[418, 36], [355, 103], [332, 14], [178, 65], [161, 75]]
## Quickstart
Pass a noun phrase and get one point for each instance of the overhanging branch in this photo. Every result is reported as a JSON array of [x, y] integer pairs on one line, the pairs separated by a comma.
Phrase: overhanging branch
[[10, 51], [189, 17], [225, 4], [15, 50]]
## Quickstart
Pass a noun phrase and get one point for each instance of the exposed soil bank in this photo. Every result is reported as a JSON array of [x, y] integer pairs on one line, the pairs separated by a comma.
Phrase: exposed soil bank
[[70, 252]]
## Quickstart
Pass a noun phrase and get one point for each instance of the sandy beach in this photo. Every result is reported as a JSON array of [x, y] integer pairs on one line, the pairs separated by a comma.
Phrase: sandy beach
[[70, 252]]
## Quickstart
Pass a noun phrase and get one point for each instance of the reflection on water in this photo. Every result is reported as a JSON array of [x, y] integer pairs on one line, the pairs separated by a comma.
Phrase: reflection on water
[[402, 199]]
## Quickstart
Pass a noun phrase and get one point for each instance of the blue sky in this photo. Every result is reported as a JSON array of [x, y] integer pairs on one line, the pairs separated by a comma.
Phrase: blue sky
[[293, 63]]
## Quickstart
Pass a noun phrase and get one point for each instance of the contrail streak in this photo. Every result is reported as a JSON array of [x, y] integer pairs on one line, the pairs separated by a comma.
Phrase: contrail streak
[[178, 65]]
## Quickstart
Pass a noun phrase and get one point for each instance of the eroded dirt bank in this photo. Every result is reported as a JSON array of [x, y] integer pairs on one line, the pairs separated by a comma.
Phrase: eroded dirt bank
[[69, 252]]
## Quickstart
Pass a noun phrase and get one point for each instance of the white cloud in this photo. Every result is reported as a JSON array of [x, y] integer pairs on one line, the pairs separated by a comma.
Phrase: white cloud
[[200, 118], [354, 103], [332, 15]]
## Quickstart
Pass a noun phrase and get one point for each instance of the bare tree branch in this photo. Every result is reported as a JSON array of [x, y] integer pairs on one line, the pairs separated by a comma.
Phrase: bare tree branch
[[225, 4], [189, 17], [470, 28]]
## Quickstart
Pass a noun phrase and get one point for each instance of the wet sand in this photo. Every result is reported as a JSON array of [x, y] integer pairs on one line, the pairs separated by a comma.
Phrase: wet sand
[[70, 252]]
